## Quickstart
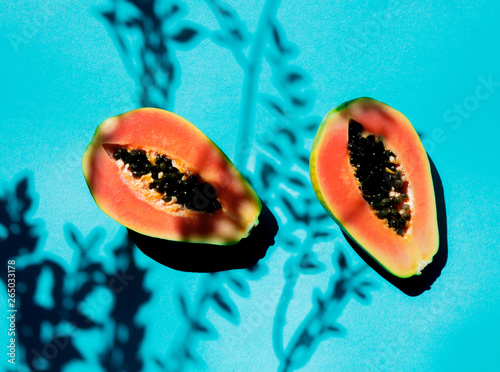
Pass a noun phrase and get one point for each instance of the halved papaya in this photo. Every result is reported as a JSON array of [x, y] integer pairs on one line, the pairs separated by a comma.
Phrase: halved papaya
[[156, 173], [370, 171]]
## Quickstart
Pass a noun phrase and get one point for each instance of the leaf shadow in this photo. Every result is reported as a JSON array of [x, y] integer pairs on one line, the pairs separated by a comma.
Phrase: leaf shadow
[[416, 285], [195, 257], [147, 35], [19, 232], [322, 321]]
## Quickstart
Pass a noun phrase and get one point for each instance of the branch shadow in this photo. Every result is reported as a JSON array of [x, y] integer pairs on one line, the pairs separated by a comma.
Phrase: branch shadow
[[416, 285], [195, 257]]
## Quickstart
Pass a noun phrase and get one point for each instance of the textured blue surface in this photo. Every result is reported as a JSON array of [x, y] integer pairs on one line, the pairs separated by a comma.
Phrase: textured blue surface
[[256, 77]]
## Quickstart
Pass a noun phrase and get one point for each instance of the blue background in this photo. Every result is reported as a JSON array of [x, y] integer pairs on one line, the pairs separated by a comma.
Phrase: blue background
[[256, 77]]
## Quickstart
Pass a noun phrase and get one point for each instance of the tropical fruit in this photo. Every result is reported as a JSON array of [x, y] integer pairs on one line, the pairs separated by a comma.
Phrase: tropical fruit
[[371, 173], [156, 173]]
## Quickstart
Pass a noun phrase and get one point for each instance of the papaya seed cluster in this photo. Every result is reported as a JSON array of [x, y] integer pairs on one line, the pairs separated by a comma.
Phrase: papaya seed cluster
[[174, 186], [380, 178]]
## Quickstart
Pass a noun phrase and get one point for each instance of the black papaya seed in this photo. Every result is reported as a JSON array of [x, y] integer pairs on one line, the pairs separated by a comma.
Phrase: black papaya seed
[[378, 173], [167, 180]]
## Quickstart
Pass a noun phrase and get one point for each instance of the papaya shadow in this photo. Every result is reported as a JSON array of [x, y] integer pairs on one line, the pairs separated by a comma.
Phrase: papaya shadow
[[416, 285], [203, 258]]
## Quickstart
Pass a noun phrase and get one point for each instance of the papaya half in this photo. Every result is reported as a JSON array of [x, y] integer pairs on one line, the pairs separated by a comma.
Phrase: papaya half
[[371, 173], [159, 175]]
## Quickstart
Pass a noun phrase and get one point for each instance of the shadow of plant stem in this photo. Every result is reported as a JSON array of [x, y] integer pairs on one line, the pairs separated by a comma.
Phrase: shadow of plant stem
[[19, 241], [211, 294], [194, 326], [321, 321], [232, 26], [130, 295], [268, 42], [46, 342], [282, 173], [151, 59], [294, 267]]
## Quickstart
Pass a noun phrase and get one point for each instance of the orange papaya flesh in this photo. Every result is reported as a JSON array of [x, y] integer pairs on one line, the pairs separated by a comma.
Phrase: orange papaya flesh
[[371, 173], [156, 173]]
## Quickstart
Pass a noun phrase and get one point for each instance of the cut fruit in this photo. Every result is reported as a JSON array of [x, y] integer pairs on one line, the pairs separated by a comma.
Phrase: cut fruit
[[371, 173], [156, 173]]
